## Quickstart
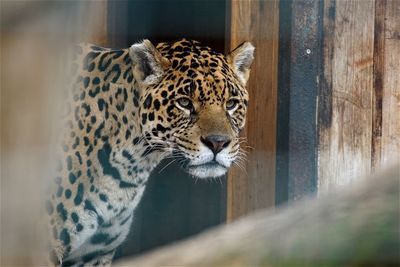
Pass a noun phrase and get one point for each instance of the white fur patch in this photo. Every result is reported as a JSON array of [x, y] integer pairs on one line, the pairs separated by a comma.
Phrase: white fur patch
[[206, 171], [202, 165]]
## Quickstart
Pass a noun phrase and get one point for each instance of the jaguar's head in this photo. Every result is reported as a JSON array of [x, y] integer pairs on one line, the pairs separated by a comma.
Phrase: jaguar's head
[[193, 102]]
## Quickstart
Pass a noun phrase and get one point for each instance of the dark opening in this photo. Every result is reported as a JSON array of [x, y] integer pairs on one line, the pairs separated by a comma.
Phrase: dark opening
[[174, 205]]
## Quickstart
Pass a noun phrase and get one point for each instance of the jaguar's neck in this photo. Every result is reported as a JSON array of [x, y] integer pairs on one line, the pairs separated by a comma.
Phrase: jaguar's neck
[[132, 159], [123, 151], [126, 154]]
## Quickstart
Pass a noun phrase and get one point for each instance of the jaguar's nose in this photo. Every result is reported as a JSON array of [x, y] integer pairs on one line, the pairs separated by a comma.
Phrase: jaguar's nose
[[216, 142]]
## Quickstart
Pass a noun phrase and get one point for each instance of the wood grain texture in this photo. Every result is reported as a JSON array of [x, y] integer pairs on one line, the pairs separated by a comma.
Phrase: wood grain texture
[[305, 61], [390, 153], [386, 134], [390, 145], [256, 21], [392, 27], [345, 146], [379, 63]]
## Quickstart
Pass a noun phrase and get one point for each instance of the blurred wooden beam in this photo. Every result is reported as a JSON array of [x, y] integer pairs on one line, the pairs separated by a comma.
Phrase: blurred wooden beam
[[98, 14], [390, 144], [353, 226]]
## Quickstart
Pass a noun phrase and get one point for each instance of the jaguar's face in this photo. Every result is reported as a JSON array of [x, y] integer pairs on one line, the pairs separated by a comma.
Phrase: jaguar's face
[[194, 105]]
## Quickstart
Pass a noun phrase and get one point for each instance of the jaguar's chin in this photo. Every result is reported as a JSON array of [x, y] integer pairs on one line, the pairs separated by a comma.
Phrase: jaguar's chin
[[207, 170]]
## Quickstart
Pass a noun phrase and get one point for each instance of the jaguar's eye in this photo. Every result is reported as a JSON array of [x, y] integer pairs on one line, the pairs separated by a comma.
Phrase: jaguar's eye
[[185, 103], [231, 104]]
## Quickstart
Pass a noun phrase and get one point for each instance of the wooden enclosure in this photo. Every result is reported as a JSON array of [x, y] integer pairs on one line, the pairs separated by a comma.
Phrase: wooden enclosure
[[324, 102], [338, 93], [359, 119], [324, 105]]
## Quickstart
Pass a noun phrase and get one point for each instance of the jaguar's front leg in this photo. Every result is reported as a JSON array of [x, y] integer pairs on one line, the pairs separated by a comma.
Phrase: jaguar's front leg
[[69, 231]]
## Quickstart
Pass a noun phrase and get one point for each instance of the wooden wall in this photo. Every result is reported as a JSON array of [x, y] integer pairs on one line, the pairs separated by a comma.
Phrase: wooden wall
[[324, 102], [390, 55], [351, 66], [253, 187], [359, 128]]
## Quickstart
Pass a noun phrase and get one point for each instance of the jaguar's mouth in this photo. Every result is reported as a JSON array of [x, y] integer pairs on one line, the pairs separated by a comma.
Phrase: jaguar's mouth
[[210, 169]]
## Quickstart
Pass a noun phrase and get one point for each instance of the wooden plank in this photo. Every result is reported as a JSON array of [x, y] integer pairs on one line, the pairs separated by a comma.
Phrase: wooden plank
[[379, 62], [325, 109], [282, 127], [305, 67], [345, 144], [299, 68], [256, 21], [390, 153], [392, 27]]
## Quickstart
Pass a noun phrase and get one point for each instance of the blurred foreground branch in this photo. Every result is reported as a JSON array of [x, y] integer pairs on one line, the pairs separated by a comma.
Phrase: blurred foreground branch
[[355, 226]]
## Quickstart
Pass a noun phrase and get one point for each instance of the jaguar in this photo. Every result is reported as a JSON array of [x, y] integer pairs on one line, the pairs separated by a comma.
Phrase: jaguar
[[127, 110]]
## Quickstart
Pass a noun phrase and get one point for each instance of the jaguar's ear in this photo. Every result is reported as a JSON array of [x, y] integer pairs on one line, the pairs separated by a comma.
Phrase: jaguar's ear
[[148, 64], [240, 60]]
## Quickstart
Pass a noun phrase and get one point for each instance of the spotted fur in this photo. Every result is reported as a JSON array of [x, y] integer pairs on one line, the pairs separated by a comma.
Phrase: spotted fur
[[128, 110]]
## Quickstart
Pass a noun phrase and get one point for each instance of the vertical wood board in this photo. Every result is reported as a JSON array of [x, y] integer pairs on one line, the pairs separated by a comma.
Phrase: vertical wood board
[[254, 187], [390, 153], [299, 70], [392, 27], [305, 68], [282, 127], [345, 144], [379, 62]]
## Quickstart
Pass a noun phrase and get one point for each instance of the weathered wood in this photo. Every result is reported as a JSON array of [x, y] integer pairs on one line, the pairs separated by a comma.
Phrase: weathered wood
[[356, 226], [390, 147], [379, 62], [254, 187], [304, 69], [345, 144], [391, 104], [392, 27]]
